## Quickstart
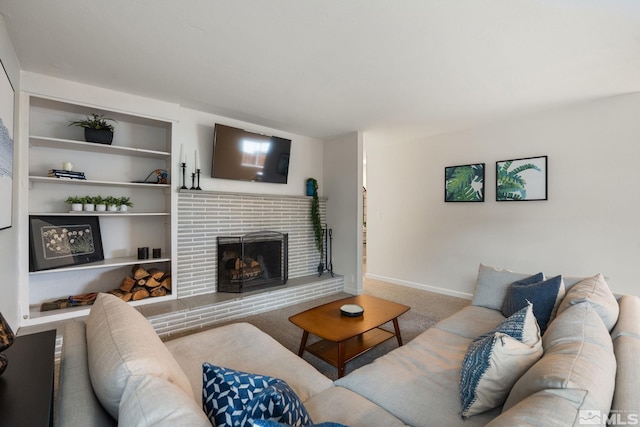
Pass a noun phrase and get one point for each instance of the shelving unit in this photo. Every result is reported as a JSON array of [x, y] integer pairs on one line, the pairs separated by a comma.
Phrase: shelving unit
[[141, 145]]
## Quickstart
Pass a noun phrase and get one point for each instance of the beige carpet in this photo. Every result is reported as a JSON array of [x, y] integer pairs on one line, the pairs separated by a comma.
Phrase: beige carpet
[[427, 308]]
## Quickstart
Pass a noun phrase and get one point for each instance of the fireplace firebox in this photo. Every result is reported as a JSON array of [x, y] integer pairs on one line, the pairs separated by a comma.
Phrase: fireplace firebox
[[254, 261]]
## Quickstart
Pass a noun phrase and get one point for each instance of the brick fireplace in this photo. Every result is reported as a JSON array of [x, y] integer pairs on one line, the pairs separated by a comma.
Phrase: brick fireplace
[[203, 216]]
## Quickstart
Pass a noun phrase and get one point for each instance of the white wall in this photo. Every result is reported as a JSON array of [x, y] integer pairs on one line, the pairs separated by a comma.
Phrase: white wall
[[343, 182], [9, 237], [588, 225], [195, 131]]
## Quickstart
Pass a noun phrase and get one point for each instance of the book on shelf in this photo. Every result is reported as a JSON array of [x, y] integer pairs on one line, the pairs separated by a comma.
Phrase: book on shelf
[[58, 173]]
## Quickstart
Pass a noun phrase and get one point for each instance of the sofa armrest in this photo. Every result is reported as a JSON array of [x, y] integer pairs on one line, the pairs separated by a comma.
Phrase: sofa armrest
[[77, 404]]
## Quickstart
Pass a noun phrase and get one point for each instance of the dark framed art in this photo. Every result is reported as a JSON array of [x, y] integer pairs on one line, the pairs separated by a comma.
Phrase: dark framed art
[[6, 149], [521, 179], [63, 241], [464, 183]]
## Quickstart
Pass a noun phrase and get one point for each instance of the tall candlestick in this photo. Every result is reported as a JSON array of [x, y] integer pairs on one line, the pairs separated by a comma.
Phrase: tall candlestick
[[182, 158]]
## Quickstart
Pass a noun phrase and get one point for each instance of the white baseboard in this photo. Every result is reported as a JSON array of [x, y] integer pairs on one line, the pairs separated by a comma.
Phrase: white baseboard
[[420, 286]]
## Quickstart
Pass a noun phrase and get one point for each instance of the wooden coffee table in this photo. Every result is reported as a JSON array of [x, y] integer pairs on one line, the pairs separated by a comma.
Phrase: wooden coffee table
[[345, 338]]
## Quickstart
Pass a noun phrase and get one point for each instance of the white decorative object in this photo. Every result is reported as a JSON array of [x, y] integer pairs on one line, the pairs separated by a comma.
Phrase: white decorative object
[[352, 310], [76, 207], [67, 166], [124, 208], [112, 208], [101, 207], [89, 207]]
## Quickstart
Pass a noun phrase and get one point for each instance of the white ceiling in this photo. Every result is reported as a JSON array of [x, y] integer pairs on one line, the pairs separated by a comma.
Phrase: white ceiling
[[325, 67]]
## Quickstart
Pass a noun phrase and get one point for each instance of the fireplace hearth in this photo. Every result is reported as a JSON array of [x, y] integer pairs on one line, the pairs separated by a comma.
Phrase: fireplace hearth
[[253, 261]]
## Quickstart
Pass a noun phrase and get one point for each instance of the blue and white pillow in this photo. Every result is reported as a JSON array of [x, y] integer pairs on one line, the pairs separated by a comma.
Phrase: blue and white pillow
[[494, 361], [236, 399], [269, 423], [545, 295]]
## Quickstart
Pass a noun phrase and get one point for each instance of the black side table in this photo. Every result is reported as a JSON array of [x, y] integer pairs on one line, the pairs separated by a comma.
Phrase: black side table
[[26, 387]]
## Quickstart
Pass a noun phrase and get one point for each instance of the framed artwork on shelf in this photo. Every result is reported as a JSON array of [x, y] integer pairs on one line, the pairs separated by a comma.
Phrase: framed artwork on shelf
[[63, 241], [464, 183], [521, 179], [6, 149]]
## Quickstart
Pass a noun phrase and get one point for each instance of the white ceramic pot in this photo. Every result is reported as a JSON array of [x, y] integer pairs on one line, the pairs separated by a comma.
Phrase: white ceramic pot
[[89, 207], [101, 208], [112, 208], [124, 208], [76, 207]]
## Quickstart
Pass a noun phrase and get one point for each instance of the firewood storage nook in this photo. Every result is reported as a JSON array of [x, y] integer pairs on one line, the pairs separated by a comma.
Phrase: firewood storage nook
[[254, 261]]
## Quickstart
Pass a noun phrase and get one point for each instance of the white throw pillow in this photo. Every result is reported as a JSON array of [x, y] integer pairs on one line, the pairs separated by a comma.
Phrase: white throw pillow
[[121, 343], [495, 361]]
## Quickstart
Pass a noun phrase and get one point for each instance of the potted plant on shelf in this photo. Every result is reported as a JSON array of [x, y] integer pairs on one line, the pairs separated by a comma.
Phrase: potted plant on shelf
[[75, 202], [101, 205], [96, 128], [112, 203], [89, 206], [125, 203]]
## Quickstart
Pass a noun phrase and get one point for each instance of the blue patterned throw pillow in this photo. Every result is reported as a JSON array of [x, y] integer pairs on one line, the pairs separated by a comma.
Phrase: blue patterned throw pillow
[[268, 423], [494, 361], [236, 399]]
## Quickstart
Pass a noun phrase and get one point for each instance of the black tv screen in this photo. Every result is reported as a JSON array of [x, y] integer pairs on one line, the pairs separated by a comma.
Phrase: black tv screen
[[247, 156]]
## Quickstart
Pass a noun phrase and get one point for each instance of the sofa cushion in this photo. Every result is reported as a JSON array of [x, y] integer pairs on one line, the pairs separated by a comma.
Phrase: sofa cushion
[[240, 341], [545, 295], [578, 357], [628, 323], [349, 408], [492, 284], [233, 398], [495, 361], [150, 401], [471, 322], [121, 343], [418, 382], [596, 292]]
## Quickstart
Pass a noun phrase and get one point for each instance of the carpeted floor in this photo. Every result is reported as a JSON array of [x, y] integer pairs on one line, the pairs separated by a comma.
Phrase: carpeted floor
[[427, 308]]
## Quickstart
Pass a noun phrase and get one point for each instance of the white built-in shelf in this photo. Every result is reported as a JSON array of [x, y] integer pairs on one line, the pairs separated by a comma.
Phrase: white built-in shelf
[[37, 317], [100, 213], [107, 263], [68, 144], [52, 180]]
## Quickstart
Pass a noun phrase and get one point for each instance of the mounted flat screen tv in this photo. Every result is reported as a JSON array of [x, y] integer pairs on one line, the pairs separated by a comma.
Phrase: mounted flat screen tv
[[247, 156]]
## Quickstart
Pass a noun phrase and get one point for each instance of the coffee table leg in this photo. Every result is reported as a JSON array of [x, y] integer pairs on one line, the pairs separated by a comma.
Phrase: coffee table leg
[[341, 351], [397, 328], [303, 343]]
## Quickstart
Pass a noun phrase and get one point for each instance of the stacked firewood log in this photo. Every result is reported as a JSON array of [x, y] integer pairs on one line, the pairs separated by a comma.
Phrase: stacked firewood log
[[143, 284]]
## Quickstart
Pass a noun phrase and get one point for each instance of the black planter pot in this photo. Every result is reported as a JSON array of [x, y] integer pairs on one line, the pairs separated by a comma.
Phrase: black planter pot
[[101, 136]]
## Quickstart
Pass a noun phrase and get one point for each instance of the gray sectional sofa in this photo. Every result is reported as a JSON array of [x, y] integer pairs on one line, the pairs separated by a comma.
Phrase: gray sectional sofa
[[116, 371]]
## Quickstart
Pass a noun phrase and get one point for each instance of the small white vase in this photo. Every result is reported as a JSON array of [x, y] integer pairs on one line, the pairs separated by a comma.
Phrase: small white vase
[[112, 208], [101, 208], [76, 207], [89, 207], [124, 208]]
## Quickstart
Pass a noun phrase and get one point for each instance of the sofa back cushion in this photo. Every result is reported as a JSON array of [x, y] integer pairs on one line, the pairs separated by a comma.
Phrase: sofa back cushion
[[596, 292], [121, 343], [150, 401], [492, 284], [578, 363]]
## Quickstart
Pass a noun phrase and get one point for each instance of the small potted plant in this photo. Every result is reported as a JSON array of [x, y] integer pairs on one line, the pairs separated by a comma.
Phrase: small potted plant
[[75, 202], [89, 206], [125, 203], [112, 203], [96, 128], [101, 205]]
